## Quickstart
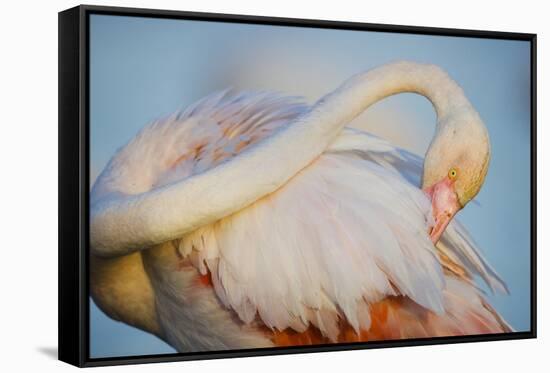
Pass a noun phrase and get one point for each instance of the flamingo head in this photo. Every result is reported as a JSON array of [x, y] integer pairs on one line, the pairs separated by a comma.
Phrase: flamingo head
[[455, 167]]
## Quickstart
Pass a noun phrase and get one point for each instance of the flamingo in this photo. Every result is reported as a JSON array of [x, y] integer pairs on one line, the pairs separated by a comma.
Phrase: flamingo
[[251, 219]]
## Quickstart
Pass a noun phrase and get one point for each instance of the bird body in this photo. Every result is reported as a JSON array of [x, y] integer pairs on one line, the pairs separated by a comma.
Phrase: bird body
[[205, 236]]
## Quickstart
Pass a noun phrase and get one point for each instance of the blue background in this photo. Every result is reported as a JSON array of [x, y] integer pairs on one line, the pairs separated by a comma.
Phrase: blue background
[[144, 68]]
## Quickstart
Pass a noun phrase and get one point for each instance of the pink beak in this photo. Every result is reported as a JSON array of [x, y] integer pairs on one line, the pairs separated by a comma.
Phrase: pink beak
[[444, 206]]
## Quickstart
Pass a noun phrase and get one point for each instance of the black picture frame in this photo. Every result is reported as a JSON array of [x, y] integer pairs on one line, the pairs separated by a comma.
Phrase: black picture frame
[[74, 181]]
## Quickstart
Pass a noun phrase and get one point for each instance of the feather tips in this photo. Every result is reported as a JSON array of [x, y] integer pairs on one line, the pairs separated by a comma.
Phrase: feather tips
[[333, 240], [345, 233]]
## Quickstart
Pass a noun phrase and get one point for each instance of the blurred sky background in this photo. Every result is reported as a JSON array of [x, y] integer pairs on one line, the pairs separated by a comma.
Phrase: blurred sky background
[[144, 68]]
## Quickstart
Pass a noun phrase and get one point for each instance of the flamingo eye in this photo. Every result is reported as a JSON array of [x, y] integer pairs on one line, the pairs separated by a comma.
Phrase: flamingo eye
[[453, 173]]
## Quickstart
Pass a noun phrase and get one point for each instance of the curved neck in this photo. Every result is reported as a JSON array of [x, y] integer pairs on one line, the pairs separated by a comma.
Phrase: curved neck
[[124, 224], [365, 89]]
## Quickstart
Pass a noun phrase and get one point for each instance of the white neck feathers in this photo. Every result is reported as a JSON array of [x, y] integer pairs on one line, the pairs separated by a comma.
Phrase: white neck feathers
[[122, 224]]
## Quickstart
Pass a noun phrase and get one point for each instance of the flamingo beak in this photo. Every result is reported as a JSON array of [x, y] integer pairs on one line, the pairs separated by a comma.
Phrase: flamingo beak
[[445, 205]]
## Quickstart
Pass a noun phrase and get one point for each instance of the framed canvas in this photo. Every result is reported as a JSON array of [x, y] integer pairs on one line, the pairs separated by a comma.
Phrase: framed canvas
[[237, 186]]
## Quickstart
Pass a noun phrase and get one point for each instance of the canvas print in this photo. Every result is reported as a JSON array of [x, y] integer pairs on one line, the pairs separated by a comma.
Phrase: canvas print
[[259, 186]]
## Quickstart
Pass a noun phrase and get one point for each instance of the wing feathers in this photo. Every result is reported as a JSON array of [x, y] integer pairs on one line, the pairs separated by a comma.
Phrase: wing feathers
[[399, 317], [340, 238]]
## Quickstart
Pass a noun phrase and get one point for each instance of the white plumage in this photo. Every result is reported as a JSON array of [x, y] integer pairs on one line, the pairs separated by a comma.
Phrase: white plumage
[[346, 232]]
